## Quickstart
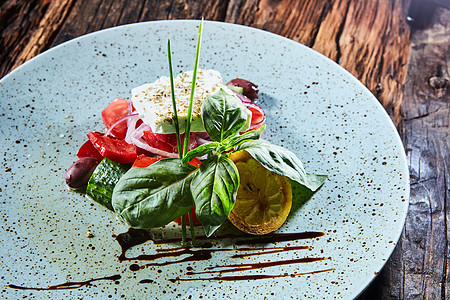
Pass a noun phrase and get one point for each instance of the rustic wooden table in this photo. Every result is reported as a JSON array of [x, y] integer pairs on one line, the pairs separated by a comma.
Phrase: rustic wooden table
[[406, 68]]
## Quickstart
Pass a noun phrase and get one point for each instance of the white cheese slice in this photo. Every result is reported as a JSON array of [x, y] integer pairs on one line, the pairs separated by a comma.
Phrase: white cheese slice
[[153, 101]]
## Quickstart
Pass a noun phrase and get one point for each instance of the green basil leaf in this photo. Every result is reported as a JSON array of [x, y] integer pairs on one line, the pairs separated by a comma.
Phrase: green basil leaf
[[232, 142], [154, 196], [214, 189], [223, 115], [200, 151], [283, 162]]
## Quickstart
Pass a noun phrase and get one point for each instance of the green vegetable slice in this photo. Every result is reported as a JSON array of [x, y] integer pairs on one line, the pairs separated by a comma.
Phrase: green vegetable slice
[[232, 142], [214, 189], [223, 115], [237, 89], [283, 162], [104, 179], [152, 197], [200, 151]]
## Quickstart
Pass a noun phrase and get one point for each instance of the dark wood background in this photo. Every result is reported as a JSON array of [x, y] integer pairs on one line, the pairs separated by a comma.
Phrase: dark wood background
[[405, 67]]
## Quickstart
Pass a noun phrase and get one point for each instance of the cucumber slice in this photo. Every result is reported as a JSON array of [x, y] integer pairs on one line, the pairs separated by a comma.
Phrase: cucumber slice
[[236, 89], [103, 180]]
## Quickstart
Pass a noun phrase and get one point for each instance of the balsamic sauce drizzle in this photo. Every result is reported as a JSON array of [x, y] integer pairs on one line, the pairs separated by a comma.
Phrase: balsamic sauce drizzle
[[248, 277], [66, 285], [266, 250], [204, 254], [135, 237], [281, 237], [261, 265]]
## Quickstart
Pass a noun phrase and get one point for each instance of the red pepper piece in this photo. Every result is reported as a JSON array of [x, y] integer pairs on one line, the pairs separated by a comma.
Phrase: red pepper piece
[[114, 149]]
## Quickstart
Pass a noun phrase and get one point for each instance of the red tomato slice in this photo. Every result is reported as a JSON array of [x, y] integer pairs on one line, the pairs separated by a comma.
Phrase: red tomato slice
[[142, 151], [114, 149], [154, 140], [170, 139], [88, 150], [257, 116], [144, 161], [166, 142], [195, 162], [113, 113], [194, 218]]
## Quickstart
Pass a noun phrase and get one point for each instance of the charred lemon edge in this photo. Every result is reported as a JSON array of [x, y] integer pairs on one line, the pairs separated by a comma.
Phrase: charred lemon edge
[[239, 222]]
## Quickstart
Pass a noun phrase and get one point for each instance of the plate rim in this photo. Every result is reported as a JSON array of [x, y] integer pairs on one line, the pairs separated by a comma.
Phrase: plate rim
[[367, 94]]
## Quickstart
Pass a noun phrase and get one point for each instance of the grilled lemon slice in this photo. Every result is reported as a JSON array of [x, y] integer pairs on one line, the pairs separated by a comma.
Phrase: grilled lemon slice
[[264, 198]]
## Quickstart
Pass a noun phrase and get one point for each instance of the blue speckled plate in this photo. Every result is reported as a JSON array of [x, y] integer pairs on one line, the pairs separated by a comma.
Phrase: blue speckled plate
[[314, 108]]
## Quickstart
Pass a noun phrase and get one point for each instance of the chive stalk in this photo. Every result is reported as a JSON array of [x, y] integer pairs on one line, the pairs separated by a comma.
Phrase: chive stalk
[[174, 103], [191, 100], [191, 227], [187, 131], [183, 230], [177, 130]]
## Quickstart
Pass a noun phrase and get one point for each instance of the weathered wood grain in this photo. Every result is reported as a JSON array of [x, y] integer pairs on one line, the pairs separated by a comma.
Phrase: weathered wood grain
[[179, 9], [419, 267], [368, 38], [427, 138], [373, 46], [297, 20], [31, 32]]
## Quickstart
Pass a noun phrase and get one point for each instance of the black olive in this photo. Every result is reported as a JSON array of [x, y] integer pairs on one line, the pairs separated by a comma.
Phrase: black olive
[[79, 173], [250, 90]]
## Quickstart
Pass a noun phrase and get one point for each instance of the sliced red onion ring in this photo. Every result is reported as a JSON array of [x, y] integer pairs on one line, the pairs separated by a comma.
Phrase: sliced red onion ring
[[192, 141], [139, 132], [118, 122], [143, 145], [136, 139], [203, 138], [129, 108], [243, 98], [131, 128]]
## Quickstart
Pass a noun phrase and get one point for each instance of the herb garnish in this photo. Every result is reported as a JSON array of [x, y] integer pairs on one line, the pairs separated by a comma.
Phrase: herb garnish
[[187, 132], [154, 196], [191, 99], [174, 102]]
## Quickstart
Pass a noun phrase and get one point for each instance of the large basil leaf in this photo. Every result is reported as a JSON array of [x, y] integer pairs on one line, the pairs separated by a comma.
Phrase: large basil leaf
[[154, 196], [200, 151], [232, 142], [214, 189], [223, 115], [282, 161]]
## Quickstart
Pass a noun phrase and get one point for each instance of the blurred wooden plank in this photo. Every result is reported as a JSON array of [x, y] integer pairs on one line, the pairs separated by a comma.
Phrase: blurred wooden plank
[[82, 19], [419, 267], [297, 20], [28, 27], [427, 138], [179, 9], [368, 38]]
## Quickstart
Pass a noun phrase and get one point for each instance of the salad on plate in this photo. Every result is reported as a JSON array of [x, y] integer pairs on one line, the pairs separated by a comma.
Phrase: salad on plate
[[189, 149]]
